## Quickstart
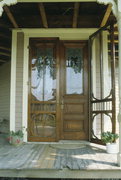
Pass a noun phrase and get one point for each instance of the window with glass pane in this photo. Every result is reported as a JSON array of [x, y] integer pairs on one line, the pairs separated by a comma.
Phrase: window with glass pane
[[43, 93], [43, 77], [74, 71]]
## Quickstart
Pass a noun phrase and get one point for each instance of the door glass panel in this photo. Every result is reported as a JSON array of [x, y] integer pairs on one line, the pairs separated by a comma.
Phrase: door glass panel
[[43, 77], [74, 71], [43, 93]]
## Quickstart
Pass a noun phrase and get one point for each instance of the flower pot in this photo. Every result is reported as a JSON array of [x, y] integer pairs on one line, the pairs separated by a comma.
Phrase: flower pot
[[112, 148], [16, 140]]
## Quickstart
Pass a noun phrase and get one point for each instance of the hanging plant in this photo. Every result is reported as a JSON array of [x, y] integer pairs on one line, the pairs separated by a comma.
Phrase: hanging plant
[[45, 61], [74, 59]]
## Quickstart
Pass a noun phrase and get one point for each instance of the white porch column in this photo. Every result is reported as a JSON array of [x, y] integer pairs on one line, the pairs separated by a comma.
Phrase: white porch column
[[119, 115], [13, 81]]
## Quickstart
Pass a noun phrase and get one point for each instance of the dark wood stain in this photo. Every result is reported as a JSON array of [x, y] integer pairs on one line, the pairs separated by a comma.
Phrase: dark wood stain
[[71, 110]]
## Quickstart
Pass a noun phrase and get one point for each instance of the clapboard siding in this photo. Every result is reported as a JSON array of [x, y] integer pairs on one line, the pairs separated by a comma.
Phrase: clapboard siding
[[5, 91], [19, 80], [117, 97]]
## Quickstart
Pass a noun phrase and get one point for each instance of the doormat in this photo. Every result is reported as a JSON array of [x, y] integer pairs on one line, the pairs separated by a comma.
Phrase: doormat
[[67, 146]]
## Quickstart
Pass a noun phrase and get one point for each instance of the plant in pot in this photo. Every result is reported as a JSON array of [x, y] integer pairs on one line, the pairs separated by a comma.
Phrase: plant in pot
[[16, 137], [109, 139]]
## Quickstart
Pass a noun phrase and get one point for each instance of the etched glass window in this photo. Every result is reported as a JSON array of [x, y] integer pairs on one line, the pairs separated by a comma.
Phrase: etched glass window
[[43, 77], [74, 71], [43, 93]]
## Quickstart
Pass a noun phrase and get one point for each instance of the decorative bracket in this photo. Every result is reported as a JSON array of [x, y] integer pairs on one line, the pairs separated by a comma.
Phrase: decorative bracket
[[114, 5], [6, 2]]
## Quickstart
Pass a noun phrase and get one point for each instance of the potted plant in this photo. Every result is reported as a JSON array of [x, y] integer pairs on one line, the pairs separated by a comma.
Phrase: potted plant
[[16, 137], [110, 140]]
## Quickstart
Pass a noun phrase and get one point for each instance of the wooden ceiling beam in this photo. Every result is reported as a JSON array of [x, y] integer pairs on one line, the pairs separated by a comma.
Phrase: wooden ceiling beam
[[75, 15], [11, 17], [5, 48], [5, 26], [4, 36], [1, 60], [43, 15], [106, 15], [5, 54]]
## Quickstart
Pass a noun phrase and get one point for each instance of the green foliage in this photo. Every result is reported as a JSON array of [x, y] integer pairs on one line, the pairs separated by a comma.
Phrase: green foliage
[[108, 137], [18, 133], [74, 59], [44, 62]]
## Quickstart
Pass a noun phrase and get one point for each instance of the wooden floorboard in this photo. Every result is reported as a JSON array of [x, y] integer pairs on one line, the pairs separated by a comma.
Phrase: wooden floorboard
[[40, 160], [44, 156]]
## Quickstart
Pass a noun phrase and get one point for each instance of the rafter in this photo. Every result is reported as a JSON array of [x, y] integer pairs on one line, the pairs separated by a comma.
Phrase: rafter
[[106, 15], [43, 15], [5, 48], [1, 60], [4, 36], [75, 15], [3, 25], [11, 17], [5, 54]]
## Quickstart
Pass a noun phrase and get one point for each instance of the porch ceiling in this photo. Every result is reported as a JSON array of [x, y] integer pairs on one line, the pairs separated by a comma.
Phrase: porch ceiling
[[57, 15], [50, 15]]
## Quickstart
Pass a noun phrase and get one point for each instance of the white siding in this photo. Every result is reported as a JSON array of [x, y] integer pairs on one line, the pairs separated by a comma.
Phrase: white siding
[[5, 91], [117, 96]]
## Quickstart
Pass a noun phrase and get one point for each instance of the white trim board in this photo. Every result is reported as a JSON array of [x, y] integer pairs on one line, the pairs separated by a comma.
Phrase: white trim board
[[25, 87], [13, 81], [63, 34], [60, 30], [30, 1]]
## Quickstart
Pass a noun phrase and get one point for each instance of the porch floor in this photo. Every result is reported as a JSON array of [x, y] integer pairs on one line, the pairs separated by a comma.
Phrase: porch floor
[[57, 160]]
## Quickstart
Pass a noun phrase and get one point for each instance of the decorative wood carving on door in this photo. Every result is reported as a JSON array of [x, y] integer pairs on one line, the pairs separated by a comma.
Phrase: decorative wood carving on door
[[74, 91], [42, 96], [58, 91], [102, 83]]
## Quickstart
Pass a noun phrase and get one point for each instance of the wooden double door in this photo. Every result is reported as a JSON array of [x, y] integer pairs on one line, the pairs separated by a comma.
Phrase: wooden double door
[[58, 90]]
